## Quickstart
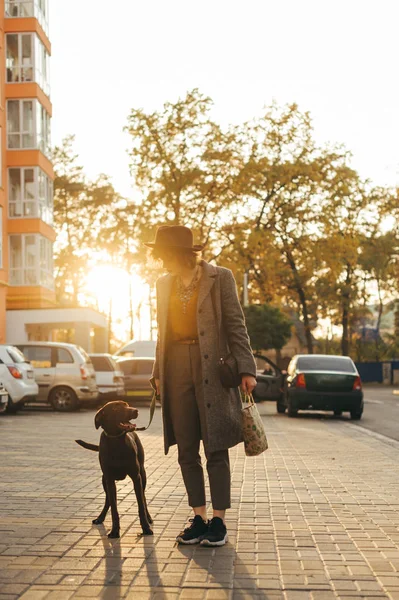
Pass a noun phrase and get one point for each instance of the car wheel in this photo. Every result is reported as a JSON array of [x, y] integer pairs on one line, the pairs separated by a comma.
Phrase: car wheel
[[12, 408], [63, 399], [280, 405], [337, 413], [255, 397], [292, 412], [356, 415]]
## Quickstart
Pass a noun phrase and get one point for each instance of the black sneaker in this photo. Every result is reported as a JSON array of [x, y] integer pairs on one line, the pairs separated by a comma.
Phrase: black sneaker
[[195, 533], [216, 534]]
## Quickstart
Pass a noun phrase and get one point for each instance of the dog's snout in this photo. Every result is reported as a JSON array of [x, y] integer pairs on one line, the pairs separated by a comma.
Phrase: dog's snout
[[134, 413]]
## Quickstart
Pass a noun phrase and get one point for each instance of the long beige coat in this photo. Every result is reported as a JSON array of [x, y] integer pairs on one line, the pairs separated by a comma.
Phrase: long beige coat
[[223, 406]]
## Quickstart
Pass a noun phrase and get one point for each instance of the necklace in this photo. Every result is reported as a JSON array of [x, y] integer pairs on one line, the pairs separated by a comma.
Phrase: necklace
[[185, 293]]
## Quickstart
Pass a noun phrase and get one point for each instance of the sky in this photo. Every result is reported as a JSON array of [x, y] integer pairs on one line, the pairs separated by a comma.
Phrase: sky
[[339, 60]]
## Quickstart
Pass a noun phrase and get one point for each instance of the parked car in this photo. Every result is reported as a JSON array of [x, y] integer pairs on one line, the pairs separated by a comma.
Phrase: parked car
[[140, 348], [17, 376], [109, 377], [136, 375], [322, 382], [63, 372], [269, 378], [3, 399]]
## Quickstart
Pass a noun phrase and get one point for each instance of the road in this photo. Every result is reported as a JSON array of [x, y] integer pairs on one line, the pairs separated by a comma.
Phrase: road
[[381, 411]]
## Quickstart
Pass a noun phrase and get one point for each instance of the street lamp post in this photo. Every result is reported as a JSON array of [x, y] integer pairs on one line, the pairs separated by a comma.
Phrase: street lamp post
[[245, 289]]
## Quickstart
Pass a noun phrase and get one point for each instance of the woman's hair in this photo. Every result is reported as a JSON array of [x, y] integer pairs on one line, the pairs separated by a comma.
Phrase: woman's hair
[[186, 257]]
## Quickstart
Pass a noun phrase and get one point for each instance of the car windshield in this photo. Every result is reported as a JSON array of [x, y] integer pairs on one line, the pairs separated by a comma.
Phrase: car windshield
[[102, 363], [326, 363], [15, 354]]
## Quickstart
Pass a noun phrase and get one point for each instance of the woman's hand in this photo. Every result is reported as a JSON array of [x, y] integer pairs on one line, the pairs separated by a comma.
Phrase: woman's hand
[[248, 383]]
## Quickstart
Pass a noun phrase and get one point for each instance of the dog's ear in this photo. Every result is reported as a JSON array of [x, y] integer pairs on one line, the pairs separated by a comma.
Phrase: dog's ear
[[98, 419]]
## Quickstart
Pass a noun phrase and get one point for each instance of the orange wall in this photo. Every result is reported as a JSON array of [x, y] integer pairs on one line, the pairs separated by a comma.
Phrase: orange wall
[[3, 198], [3, 186], [20, 25], [29, 158], [21, 296], [31, 226], [28, 90], [30, 297]]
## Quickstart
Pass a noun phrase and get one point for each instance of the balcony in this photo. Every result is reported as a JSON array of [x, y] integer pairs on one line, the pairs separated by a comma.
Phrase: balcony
[[27, 60], [23, 9], [30, 194], [28, 126], [31, 261]]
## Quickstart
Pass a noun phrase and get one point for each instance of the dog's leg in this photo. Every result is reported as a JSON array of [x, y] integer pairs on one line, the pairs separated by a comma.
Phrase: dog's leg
[[101, 516], [138, 488], [144, 483], [111, 492], [140, 458]]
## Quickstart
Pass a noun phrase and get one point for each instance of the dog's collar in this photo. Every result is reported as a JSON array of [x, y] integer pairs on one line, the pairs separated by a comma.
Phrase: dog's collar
[[114, 436]]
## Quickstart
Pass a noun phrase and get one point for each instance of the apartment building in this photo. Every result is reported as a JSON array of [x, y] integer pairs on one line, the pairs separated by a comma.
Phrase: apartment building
[[27, 298], [26, 175]]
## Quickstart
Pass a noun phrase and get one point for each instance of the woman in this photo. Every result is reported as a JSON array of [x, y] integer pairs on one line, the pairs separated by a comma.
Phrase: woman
[[199, 315]]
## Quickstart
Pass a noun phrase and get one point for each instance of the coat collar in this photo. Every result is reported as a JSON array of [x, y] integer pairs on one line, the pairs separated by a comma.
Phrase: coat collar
[[209, 273]]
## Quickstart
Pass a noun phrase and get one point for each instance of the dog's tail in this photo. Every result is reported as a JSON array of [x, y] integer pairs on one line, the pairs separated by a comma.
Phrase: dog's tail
[[87, 446]]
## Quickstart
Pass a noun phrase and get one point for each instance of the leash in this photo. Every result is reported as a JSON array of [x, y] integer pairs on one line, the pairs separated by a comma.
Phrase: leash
[[155, 397]]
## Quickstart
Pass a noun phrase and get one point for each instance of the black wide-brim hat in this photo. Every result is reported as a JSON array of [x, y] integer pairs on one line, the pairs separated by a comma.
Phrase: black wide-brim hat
[[176, 237]]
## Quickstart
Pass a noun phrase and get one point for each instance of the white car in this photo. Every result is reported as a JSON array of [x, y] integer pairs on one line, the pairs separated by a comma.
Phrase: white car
[[17, 376], [109, 377], [64, 374], [3, 398]]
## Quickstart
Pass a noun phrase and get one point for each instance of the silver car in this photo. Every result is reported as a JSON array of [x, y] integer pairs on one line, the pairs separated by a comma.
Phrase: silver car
[[63, 372]]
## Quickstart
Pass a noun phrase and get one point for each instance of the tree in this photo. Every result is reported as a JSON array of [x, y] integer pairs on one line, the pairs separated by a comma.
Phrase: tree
[[283, 182], [268, 327], [81, 210], [181, 162], [351, 219]]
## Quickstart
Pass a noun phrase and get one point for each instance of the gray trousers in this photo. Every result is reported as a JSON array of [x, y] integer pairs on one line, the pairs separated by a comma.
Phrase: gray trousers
[[185, 400]]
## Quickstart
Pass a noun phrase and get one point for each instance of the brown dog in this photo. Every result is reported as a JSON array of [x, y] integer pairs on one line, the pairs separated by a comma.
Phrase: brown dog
[[121, 453]]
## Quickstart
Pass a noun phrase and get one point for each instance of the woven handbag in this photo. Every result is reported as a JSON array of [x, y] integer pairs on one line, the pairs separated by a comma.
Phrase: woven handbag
[[253, 430]]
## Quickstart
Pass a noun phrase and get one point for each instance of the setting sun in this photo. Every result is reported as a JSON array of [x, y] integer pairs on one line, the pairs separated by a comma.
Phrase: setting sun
[[115, 291]]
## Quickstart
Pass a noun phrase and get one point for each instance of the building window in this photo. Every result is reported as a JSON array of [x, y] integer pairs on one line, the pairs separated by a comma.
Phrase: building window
[[27, 60], [31, 260], [28, 8], [28, 125], [30, 194]]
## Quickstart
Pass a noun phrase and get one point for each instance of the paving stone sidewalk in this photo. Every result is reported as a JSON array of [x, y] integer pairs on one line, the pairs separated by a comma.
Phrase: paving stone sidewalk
[[316, 517]]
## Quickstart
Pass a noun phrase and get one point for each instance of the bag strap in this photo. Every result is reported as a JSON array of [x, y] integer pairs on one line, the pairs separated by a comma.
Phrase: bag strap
[[248, 399]]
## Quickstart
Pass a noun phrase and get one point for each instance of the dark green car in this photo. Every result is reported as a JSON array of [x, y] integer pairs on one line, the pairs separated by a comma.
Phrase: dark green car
[[322, 382]]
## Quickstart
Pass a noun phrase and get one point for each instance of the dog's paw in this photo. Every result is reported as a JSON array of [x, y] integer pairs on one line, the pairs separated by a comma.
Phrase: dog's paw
[[97, 521], [114, 534], [147, 531]]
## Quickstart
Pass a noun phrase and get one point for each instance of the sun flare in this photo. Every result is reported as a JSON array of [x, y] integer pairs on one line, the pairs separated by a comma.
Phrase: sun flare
[[115, 291]]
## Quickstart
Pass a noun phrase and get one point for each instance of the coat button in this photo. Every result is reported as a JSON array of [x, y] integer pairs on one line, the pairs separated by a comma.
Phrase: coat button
[[206, 380], [208, 405], [202, 332], [205, 356]]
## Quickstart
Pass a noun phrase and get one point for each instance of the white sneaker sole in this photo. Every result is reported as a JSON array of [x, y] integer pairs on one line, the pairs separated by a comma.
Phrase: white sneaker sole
[[220, 543], [180, 540]]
